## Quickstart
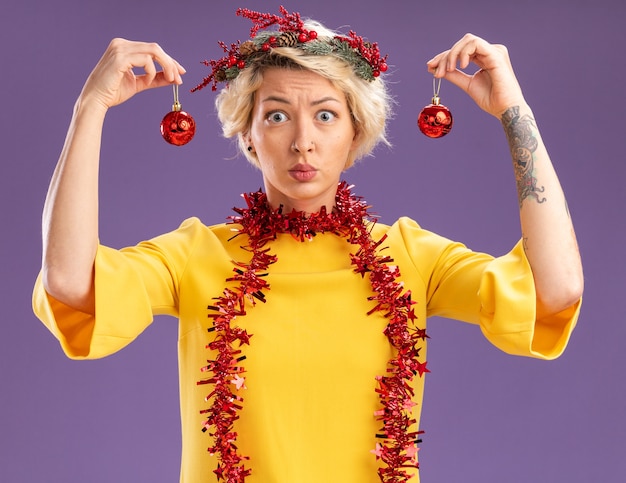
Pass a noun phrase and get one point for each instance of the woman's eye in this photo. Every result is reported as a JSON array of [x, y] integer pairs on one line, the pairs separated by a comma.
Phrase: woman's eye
[[277, 117], [326, 116]]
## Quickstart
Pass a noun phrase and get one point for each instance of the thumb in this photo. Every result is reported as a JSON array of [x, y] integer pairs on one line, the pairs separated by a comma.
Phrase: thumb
[[459, 79], [145, 82]]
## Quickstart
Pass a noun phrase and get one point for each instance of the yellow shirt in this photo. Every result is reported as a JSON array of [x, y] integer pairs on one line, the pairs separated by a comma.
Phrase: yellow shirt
[[309, 401]]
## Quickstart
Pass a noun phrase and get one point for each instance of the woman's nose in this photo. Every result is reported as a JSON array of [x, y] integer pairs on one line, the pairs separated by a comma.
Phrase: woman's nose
[[303, 139], [302, 146]]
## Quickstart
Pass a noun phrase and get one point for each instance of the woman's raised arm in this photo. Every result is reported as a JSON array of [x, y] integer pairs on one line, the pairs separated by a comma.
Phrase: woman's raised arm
[[70, 215], [547, 229]]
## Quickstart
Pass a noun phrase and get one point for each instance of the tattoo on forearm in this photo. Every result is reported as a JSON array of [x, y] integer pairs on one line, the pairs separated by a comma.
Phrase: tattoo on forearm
[[522, 142]]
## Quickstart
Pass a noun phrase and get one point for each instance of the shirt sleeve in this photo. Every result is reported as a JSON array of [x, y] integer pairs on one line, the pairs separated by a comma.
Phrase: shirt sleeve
[[508, 310], [131, 286], [498, 294]]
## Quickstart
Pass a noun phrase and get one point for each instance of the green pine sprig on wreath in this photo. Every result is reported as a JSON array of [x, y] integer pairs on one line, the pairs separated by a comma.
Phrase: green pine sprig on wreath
[[364, 57]]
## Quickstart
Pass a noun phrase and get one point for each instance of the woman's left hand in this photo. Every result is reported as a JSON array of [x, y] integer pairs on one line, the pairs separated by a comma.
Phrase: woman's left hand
[[493, 86]]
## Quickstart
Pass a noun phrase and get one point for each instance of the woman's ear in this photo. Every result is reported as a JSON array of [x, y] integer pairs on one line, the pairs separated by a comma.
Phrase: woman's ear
[[245, 142], [247, 147], [356, 140], [355, 147]]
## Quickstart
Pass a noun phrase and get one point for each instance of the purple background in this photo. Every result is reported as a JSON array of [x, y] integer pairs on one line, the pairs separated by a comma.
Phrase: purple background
[[489, 417]]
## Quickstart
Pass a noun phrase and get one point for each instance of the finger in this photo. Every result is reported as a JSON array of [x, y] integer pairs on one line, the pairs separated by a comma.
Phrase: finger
[[180, 71], [141, 67], [436, 60], [446, 61], [462, 52], [466, 55], [159, 80], [458, 78], [171, 69], [150, 71], [171, 74], [157, 55], [436, 65], [152, 77]]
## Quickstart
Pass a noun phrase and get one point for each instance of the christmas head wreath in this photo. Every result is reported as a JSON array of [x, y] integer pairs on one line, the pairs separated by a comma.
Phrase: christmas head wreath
[[364, 57]]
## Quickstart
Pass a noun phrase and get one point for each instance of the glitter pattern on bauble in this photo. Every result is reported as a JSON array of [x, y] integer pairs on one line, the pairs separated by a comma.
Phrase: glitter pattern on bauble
[[178, 128], [435, 120]]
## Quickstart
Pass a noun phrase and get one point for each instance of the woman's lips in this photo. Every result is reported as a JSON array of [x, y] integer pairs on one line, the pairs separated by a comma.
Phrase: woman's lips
[[303, 172]]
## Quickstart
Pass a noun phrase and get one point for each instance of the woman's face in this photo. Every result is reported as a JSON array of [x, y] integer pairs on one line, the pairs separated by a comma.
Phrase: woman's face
[[302, 134]]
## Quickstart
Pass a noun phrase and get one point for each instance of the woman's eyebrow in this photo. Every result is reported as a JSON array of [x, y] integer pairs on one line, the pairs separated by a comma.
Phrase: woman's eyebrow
[[282, 100]]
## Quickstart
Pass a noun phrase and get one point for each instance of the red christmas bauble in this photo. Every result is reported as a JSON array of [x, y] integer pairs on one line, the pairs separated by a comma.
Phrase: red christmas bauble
[[178, 128], [435, 120]]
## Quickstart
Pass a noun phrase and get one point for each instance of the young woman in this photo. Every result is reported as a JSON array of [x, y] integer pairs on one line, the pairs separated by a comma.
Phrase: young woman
[[302, 342]]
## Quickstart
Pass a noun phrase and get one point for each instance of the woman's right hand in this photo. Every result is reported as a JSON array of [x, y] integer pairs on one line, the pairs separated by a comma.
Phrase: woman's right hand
[[113, 80]]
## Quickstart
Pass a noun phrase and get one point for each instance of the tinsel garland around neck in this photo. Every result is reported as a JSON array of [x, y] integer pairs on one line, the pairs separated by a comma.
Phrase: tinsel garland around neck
[[261, 224]]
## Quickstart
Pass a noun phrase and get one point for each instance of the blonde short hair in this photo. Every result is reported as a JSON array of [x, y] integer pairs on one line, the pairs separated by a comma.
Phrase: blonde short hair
[[369, 102]]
